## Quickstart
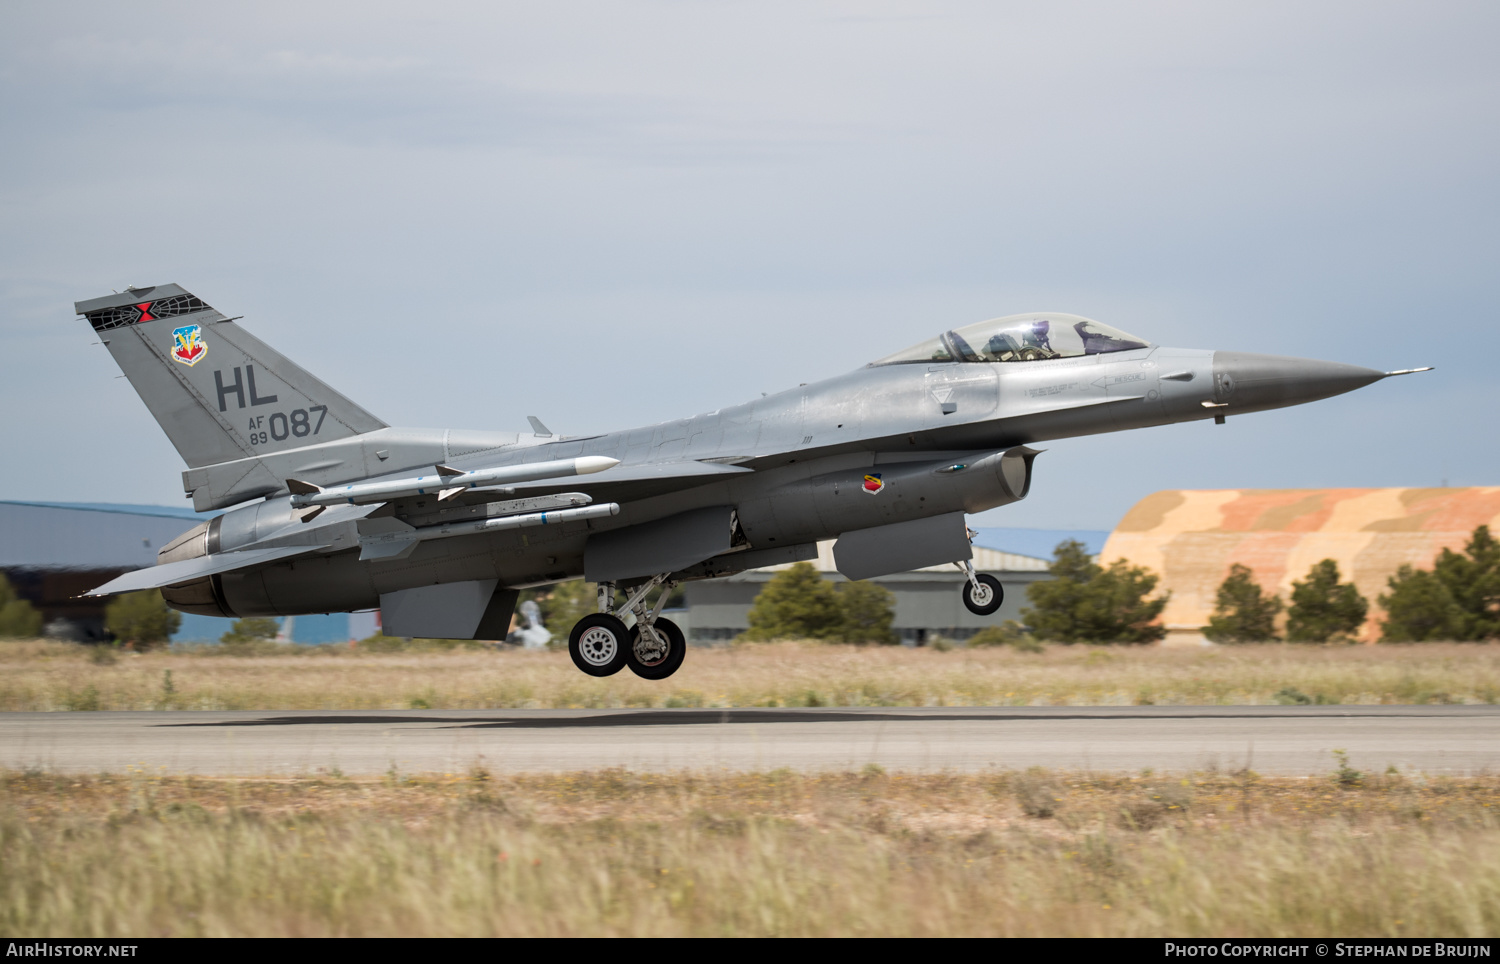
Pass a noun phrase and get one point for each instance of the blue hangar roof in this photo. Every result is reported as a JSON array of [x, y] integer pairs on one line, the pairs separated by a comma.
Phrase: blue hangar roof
[[57, 535]]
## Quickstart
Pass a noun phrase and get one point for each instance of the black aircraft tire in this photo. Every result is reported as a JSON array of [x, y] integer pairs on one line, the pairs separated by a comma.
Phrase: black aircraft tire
[[667, 665], [990, 587], [599, 644]]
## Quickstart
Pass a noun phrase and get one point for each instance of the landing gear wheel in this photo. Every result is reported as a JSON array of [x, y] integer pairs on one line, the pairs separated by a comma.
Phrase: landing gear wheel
[[598, 644], [659, 659], [984, 599]]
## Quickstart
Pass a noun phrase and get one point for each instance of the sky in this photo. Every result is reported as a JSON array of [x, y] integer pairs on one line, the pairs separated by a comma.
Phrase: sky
[[610, 214]]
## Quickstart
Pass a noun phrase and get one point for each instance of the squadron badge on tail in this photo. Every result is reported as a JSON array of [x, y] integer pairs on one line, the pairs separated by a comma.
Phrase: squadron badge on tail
[[187, 344]]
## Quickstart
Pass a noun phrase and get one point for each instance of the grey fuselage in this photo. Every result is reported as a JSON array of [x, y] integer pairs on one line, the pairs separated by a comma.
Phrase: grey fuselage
[[792, 465]]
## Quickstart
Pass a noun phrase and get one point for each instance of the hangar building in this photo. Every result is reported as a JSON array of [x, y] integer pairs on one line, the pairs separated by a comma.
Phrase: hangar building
[[1191, 538], [52, 552], [928, 603]]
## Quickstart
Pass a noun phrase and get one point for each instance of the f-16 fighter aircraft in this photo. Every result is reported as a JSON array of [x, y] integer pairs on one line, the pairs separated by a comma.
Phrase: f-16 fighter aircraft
[[334, 510]]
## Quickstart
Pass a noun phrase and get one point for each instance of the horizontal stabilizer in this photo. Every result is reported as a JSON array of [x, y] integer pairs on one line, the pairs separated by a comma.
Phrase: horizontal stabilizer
[[155, 577]]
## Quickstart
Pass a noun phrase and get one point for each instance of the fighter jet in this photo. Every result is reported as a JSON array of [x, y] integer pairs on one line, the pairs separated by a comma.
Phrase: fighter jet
[[332, 510]]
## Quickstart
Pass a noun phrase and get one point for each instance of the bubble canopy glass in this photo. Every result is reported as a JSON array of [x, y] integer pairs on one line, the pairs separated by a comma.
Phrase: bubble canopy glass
[[1019, 338]]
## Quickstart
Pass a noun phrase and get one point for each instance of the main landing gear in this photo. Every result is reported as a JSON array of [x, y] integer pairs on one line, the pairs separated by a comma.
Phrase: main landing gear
[[983, 593], [653, 648]]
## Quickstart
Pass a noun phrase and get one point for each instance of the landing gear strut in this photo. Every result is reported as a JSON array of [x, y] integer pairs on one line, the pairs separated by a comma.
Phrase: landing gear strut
[[653, 648], [983, 593]]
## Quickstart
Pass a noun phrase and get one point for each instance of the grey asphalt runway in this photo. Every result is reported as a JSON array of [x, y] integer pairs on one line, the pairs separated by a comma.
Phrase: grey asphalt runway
[[1293, 740]]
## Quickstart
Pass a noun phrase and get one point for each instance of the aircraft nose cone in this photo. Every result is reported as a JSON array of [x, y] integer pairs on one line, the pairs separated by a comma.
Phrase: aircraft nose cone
[[1248, 381]]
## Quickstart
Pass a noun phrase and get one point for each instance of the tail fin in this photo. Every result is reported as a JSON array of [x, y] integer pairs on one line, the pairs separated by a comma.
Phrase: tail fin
[[218, 392]]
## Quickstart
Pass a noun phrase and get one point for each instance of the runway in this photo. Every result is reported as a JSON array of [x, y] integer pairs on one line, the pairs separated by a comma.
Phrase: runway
[[1293, 740]]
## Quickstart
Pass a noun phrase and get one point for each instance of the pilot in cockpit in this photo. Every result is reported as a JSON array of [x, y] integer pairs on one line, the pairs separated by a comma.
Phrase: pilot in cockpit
[[1026, 342]]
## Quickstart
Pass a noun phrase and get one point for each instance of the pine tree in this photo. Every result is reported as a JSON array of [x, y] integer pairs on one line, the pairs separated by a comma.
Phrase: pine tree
[[1473, 580], [1458, 599], [1419, 608], [1324, 609], [1244, 613], [797, 603], [1084, 602]]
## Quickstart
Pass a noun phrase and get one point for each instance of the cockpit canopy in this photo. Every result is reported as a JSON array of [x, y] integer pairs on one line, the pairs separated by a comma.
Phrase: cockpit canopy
[[1019, 338]]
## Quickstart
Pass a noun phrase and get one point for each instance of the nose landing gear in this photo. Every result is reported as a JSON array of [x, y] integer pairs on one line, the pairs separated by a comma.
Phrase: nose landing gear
[[983, 593], [653, 648]]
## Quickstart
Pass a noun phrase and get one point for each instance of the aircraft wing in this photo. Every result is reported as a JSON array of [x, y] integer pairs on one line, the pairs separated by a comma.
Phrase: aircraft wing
[[155, 577]]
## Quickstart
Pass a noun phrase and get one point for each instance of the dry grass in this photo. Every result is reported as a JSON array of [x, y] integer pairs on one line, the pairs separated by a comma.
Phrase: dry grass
[[615, 853], [60, 676]]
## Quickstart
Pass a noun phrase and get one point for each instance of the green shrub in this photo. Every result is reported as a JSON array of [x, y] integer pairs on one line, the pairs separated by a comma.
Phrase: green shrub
[[1008, 633], [18, 618], [1084, 602], [251, 629], [1156, 803], [867, 610], [380, 643], [797, 603], [1037, 793], [142, 619], [1291, 696]]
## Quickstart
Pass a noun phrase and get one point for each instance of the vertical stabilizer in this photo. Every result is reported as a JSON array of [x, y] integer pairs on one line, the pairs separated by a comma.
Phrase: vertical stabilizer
[[218, 392]]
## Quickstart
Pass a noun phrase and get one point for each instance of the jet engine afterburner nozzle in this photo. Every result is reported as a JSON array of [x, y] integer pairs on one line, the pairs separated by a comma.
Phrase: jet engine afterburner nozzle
[[1246, 382]]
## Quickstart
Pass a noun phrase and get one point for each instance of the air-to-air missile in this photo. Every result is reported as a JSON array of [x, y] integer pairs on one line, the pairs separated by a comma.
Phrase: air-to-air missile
[[445, 483], [330, 509]]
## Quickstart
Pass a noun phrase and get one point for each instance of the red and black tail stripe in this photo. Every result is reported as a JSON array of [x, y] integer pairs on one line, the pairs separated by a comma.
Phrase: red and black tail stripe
[[106, 318]]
